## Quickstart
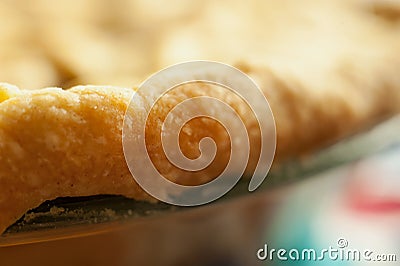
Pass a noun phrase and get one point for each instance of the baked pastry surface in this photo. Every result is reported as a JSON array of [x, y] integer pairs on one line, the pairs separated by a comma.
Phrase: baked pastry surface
[[56, 142]]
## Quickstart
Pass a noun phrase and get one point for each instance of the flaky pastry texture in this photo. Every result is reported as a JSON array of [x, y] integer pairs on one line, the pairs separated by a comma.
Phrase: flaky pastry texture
[[56, 142]]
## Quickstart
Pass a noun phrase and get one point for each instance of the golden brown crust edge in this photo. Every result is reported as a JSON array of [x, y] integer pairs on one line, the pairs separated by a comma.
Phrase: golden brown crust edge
[[57, 142]]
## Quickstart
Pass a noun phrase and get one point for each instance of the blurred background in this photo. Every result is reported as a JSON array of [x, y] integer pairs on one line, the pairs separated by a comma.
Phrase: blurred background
[[66, 43], [350, 49]]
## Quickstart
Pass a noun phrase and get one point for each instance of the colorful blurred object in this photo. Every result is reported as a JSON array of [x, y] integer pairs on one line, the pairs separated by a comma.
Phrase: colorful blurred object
[[352, 210]]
